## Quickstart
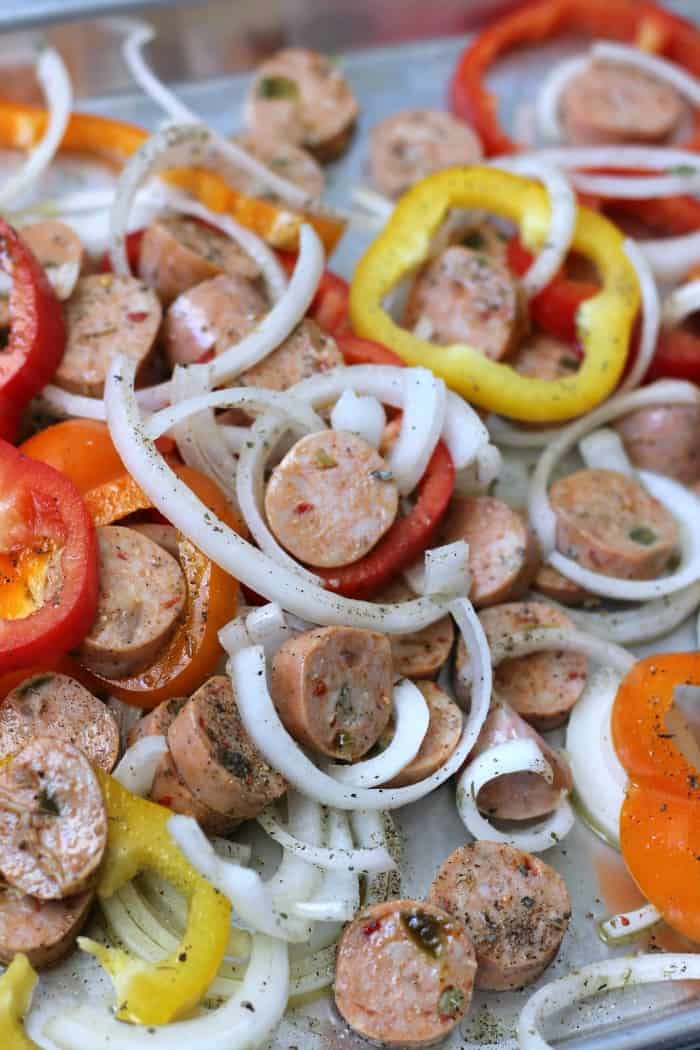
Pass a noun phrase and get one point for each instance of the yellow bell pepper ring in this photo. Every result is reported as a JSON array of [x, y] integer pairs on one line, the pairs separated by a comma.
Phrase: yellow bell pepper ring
[[138, 839], [603, 323], [16, 988]]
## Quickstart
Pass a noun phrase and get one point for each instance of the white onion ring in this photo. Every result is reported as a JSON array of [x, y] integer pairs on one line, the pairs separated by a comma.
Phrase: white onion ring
[[642, 624], [629, 924], [329, 858], [364, 416], [337, 898], [137, 766], [660, 68], [603, 450], [681, 303], [671, 258], [550, 92], [422, 422], [198, 439], [445, 570], [505, 433], [412, 718], [651, 316], [250, 398]]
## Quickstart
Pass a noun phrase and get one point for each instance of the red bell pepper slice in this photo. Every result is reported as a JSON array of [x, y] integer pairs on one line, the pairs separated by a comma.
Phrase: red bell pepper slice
[[37, 332], [677, 356], [43, 523], [630, 21], [554, 308], [133, 253], [329, 306]]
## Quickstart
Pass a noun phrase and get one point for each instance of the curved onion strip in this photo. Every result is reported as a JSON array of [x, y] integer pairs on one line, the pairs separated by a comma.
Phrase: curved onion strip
[[445, 570], [296, 879], [549, 96], [247, 670], [137, 766], [505, 433], [665, 392], [603, 450], [660, 68], [621, 972], [422, 422], [671, 258], [621, 158], [515, 756], [58, 94], [337, 898], [250, 398], [651, 316], [411, 720], [364, 416], [245, 1020], [681, 303], [179, 504], [198, 438], [71, 406], [265, 434], [326, 857], [562, 204], [642, 624], [600, 781], [630, 924]]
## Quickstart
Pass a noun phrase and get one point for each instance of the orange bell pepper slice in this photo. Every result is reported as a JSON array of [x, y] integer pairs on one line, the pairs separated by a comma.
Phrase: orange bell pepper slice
[[660, 819]]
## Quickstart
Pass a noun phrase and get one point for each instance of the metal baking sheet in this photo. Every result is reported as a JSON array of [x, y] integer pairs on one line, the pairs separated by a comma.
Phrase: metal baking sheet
[[387, 80]]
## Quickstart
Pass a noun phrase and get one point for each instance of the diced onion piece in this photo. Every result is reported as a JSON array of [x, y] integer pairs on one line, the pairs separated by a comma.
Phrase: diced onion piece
[[672, 258], [445, 570], [681, 303], [515, 756], [651, 316], [364, 416], [137, 766], [603, 450], [330, 858], [411, 718], [338, 895], [629, 924], [644, 623], [422, 423], [600, 781], [550, 93], [621, 972], [660, 68]]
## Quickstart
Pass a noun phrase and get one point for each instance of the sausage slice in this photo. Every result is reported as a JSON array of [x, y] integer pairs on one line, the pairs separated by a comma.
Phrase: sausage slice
[[169, 789], [59, 250], [158, 721], [333, 689], [611, 102], [464, 296], [216, 758], [141, 598], [44, 931], [106, 315], [306, 352], [503, 553], [178, 253], [444, 731], [331, 499], [515, 908], [210, 317], [608, 523], [404, 973], [665, 439], [423, 653], [292, 162], [542, 687], [554, 584], [300, 96], [543, 357], [407, 146], [56, 704], [53, 823]]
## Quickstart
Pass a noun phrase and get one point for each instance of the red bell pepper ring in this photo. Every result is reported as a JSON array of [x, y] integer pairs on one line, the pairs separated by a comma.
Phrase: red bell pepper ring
[[43, 517], [37, 332], [329, 306], [554, 309], [627, 20]]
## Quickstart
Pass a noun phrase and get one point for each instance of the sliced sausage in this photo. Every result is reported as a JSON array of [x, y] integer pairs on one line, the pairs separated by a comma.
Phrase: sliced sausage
[[464, 296], [423, 653], [215, 756], [515, 908], [292, 162], [56, 704], [169, 789], [618, 103], [608, 523], [166, 536], [542, 687], [444, 731], [53, 823], [543, 357], [333, 689], [158, 721], [307, 351], [329, 500], [44, 931], [554, 584], [404, 973], [210, 317], [518, 796], [665, 439], [407, 146], [178, 253], [300, 96], [503, 553], [104, 316], [59, 250], [141, 598]]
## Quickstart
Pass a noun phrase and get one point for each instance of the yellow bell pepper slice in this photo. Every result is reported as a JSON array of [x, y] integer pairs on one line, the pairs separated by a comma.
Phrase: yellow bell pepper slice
[[138, 839], [604, 322], [16, 988]]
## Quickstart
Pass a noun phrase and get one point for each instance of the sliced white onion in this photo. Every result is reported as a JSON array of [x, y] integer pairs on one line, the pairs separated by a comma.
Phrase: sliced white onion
[[267, 626], [378, 206], [630, 924], [644, 623], [603, 450], [179, 504], [621, 972], [671, 258], [199, 440], [296, 879], [422, 423], [506, 433], [246, 1020], [62, 278], [556, 240], [683, 81], [620, 158], [651, 316], [550, 93], [330, 858], [681, 303], [249, 398], [248, 674], [600, 781], [338, 896], [445, 570], [364, 416], [137, 766], [71, 406], [515, 756], [411, 718]]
